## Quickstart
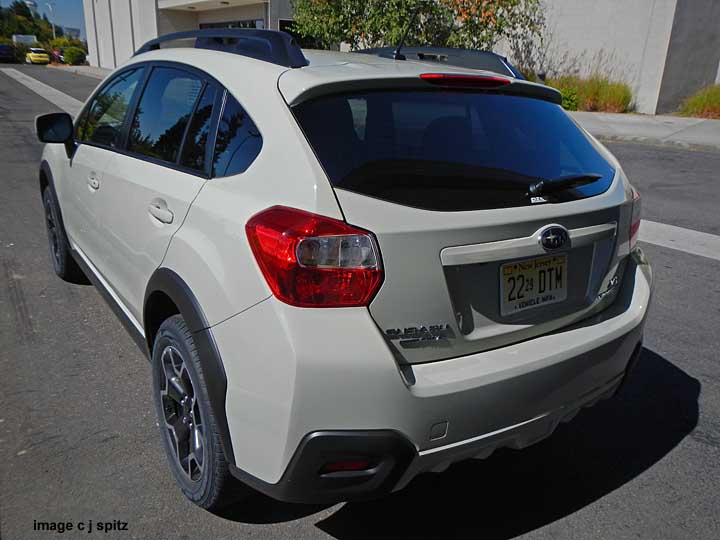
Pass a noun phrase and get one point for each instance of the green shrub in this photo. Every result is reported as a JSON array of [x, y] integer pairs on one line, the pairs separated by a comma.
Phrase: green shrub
[[568, 87], [704, 104], [614, 97], [74, 56], [596, 93], [570, 99], [63, 43]]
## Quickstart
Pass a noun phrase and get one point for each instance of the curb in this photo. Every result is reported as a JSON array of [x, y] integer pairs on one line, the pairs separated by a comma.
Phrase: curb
[[80, 71], [653, 141]]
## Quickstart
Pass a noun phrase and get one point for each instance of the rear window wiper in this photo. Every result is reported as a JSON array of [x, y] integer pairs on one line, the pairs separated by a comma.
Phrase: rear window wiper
[[545, 187]]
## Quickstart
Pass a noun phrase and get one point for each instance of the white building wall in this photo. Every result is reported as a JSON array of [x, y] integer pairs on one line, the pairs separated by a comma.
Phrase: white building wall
[[145, 23], [123, 31], [88, 9], [117, 28], [631, 37], [239, 13], [170, 21]]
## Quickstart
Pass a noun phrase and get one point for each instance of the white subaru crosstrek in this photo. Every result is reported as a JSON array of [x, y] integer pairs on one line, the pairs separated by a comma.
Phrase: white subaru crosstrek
[[346, 270]]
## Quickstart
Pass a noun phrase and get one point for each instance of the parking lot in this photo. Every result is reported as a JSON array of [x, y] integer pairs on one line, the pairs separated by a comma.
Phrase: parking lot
[[78, 436]]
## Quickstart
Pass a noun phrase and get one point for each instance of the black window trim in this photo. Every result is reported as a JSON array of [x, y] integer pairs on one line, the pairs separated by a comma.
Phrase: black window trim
[[218, 110], [225, 97], [203, 86], [149, 68], [129, 120], [212, 128], [83, 115]]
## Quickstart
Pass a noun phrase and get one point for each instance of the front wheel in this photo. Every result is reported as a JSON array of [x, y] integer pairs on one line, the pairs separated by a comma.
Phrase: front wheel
[[63, 263], [188, 427]]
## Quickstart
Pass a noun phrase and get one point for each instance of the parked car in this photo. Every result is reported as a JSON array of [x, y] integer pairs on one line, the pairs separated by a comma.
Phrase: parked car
[[58, 56], [7, 53], [37, 56], [353, 270]]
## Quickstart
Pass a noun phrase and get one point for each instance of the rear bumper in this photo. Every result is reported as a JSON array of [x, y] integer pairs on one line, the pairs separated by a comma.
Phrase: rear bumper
[[351, 403]]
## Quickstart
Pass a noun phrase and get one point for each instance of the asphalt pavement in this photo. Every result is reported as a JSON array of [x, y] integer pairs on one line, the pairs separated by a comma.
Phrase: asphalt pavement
[[78, 435]]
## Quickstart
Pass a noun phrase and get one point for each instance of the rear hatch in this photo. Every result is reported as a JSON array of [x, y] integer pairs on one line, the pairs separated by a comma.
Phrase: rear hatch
[[476, 253]]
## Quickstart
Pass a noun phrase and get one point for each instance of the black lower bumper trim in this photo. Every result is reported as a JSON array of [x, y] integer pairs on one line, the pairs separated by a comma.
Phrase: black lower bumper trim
[[389, 453]]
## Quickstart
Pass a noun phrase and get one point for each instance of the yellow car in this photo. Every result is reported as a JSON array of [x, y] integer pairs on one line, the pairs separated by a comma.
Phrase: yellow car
[[37, 56]]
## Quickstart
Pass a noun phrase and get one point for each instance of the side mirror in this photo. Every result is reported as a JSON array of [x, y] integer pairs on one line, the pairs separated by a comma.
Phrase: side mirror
[[56, 128]]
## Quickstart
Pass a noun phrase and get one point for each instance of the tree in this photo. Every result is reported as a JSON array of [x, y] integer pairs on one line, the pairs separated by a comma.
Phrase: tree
[[21, 9], [476, 24], [481, 24]]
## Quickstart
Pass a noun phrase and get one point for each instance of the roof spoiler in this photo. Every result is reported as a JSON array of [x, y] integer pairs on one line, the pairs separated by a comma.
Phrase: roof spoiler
[[270, 46], [426, 81]]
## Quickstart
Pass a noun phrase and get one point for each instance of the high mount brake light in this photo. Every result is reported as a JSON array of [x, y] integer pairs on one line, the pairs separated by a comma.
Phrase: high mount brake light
[[457, 80], [635, 219], [314, 261]]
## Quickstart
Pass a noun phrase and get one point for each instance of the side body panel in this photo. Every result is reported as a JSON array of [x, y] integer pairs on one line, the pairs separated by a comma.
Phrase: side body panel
[[211, 251], [79, 198], [135, 241]]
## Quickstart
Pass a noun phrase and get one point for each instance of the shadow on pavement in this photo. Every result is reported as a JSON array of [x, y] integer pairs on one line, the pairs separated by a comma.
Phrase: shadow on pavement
[[514, 492]]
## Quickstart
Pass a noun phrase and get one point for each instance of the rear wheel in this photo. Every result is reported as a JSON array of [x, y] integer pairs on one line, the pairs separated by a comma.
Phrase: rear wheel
[[63, 263], [188, 427]]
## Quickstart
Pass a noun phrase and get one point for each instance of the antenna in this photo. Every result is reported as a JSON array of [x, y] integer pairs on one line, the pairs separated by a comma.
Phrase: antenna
[[396, 54]]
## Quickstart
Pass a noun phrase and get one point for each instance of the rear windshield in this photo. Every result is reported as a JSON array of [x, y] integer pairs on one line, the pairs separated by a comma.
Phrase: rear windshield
[[38, 51], [451, 151]]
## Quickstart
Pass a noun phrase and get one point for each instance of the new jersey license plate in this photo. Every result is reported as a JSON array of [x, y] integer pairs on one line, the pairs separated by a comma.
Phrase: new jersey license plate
[[532, 283]]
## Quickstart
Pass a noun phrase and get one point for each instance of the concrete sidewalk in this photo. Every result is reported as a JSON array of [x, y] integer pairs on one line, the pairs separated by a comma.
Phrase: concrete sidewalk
[[88, 71], [684, 132]]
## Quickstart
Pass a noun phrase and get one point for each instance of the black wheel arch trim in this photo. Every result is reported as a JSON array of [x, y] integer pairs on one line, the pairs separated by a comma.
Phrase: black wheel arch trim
[[45, 170], [172, 285]]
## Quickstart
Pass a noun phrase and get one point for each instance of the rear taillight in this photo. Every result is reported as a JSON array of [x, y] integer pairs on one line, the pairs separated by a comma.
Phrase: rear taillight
[[635, 220], [314, 261]]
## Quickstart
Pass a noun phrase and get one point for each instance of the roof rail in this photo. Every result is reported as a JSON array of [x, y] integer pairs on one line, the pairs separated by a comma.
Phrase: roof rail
[[267, 45], [450, 56]]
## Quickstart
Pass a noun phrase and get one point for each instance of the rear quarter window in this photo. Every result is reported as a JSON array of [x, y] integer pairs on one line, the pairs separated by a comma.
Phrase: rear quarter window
[[238, 140]]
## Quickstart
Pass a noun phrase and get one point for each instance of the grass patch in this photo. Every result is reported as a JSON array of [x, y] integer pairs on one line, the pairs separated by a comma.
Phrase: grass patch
[[596, 93], [703, 104]]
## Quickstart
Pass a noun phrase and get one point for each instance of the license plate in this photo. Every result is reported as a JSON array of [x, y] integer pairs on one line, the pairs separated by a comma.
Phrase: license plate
[[532, 283]]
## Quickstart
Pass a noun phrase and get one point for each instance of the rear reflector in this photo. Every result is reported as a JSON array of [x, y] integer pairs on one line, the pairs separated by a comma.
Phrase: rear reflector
[[344, 466], [314, 261], [456, 80]]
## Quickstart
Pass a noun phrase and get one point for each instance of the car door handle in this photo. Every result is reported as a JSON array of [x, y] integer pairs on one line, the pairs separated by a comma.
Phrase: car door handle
[[159, 210], [93, 181]]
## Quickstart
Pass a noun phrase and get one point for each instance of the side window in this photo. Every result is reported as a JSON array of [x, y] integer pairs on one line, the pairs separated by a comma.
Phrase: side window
[[238, 140], [103, 121], [163, 113], [195, 145]]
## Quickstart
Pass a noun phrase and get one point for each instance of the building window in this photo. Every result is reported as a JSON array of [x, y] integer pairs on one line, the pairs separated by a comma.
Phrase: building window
[[251, 23]]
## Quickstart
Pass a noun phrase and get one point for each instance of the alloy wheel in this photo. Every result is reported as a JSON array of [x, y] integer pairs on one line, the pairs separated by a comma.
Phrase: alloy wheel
[[52, 228], [181, 414]]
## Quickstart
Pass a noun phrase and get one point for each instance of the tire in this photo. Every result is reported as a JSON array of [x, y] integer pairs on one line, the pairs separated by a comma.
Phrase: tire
[[60, 255], [185, 417]]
